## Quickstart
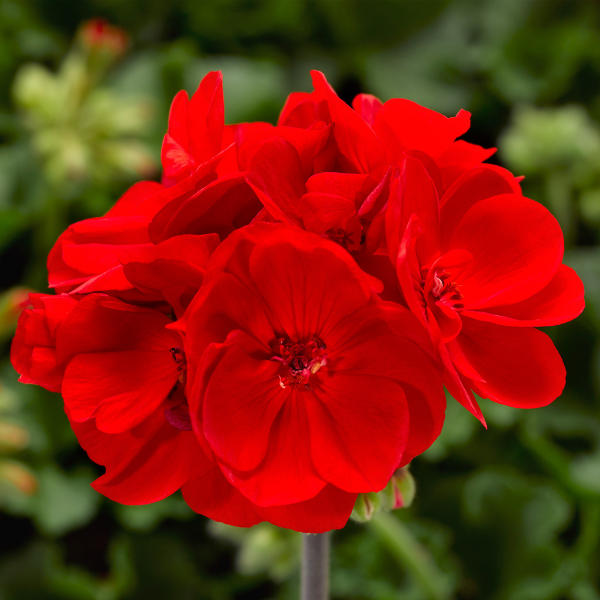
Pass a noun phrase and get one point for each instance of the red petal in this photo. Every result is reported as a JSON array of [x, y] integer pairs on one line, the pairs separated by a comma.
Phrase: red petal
[[403, 125], [307, 283], [242, 400], [517, 246], [175, 160], [464, 153], [419, 197], [329, 509], [408, 269], [172, 270], [560, 301], [214, 497], [275, 174], [308, 143], [452, 379], [432, 169], [100, 323], [302, 109], [367, 345], [120, 388], [145, 464], [195, 249], [359, 147], [115, 347], [219, 208], [178, 119], [224, 305], [358, 429], [166, 203], [206, 118], [348, 185], [129, 203], [448, 321], [521, 367], [321, 212], [38, 366], [33, 352], [367, 106], [113, 280], [69, 261], [287, 474], [237, 134], [477, 184]]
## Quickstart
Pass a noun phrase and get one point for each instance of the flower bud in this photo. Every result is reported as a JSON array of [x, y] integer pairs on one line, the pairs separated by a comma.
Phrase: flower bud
[[365, 506], [400, 491], [99, 35]]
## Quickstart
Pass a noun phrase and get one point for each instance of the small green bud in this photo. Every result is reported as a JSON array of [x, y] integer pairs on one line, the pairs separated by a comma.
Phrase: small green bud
[[400, 491], [365, 506]]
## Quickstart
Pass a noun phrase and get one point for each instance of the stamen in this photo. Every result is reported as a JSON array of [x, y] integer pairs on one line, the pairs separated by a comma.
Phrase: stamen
[[443, 289], [299, 361], [179, 357]]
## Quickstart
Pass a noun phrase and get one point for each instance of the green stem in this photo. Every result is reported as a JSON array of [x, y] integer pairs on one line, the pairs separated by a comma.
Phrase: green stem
[[552, 458], [587, 543], [410, 554]]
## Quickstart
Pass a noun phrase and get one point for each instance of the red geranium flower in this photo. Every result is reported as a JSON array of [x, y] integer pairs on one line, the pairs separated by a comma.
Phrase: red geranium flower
[[124, 375], [372, 133], [300, 381], [204, 193], [266, 371], [340, 189], [481, 268]]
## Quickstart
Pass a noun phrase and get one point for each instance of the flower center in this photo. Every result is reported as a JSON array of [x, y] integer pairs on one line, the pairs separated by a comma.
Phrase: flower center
[[444, 290], [298, 361]]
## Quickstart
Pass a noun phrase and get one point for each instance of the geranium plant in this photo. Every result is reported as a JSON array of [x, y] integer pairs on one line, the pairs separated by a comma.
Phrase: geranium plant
[[271, 327]]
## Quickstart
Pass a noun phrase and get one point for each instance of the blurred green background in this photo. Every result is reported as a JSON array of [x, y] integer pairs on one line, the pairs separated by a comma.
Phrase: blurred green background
[[510, 513]]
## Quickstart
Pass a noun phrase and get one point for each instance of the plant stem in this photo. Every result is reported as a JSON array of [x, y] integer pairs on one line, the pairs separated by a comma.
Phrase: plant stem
[[410, 554], [315, 566]]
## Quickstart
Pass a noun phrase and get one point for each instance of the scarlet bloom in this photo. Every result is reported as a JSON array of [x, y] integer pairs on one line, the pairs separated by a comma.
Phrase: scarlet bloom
[[372, 133], [343, 192], [124, 376], [270, 328], [302, 384], [481, 268], [202, 193]]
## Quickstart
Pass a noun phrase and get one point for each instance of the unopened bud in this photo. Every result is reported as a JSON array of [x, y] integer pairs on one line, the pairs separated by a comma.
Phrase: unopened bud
[[365, 506], [400, 491], [100, 35]]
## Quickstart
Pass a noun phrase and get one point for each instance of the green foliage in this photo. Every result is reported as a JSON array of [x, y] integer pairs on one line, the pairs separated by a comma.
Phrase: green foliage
[[511, 513]]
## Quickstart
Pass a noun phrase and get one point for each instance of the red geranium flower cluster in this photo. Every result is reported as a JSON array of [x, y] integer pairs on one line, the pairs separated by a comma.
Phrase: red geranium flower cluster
[[270, 329]]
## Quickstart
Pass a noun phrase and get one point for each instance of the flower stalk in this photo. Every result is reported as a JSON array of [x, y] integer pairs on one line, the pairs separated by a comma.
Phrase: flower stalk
[[315, 566]]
